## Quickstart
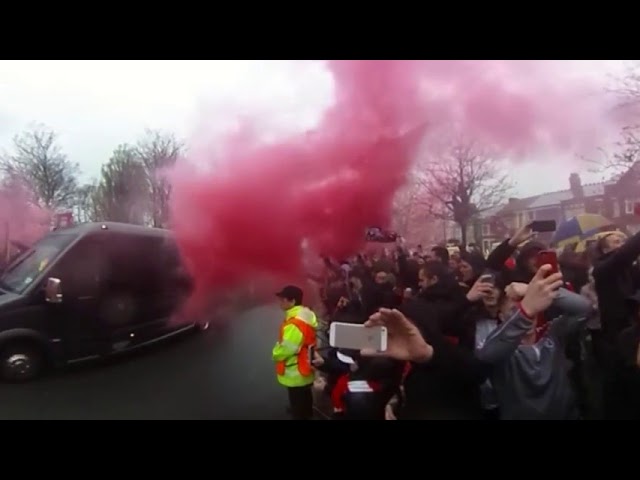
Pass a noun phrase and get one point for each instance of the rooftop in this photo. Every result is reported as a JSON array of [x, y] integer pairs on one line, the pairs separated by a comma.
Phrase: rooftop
[[550, 199]]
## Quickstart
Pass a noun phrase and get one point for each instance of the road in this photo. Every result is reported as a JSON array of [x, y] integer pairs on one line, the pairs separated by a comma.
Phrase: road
[[213, 375]]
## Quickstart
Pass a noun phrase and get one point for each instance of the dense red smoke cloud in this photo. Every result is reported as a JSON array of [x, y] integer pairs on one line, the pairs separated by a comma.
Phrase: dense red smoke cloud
[[252, 212]]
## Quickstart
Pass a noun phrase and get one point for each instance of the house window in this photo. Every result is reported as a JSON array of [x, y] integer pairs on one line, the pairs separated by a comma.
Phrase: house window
[[486, 230], [531, 216], [573, 210], [629, 206], [616, 208]]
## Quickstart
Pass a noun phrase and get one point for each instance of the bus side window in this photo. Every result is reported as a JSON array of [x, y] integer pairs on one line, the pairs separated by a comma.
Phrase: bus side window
[[82, 269], [134, 264]]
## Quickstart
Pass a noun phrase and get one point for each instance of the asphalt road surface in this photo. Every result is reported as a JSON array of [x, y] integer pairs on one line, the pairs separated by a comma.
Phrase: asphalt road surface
[[213, 375]]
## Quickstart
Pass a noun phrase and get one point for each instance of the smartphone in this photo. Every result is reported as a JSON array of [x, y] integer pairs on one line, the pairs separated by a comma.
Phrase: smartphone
[[357, 337], [548, 257], [542, 226], [312, 351]]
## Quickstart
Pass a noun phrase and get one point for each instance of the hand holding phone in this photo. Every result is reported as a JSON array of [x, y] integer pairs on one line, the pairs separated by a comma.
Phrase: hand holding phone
[[481, 287], [358, 337], [488, 278]]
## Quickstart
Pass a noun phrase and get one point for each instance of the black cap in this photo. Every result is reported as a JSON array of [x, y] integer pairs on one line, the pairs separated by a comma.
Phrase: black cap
[[291, 292]]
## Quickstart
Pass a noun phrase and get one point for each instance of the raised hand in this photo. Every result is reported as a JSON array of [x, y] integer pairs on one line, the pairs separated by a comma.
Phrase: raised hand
[[404, 341], [523, 235], [541, 291], [479, 290]]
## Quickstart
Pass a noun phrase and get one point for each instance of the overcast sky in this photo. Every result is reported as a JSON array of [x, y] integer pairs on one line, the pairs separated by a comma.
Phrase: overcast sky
[[96, 105]]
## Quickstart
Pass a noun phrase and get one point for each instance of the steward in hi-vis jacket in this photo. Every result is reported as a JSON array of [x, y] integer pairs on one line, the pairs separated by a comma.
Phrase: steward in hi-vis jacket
[[293, 353]]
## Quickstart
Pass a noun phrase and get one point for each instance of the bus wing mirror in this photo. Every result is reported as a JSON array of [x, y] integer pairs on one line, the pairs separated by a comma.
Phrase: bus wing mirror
[[53, 290]]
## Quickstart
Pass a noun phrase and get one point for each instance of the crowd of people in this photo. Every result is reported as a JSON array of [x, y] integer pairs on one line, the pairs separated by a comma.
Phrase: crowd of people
[[501, 337]]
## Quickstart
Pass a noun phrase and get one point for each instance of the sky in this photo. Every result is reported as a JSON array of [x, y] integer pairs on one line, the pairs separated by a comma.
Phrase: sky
[[96, 105]]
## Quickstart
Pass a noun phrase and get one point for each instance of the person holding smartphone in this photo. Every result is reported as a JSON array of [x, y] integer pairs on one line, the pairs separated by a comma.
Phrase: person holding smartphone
[[525, 261], [530, 368], [531, 383]]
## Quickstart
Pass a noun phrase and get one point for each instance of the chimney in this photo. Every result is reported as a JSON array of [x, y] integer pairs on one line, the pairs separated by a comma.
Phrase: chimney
[[575, 184]]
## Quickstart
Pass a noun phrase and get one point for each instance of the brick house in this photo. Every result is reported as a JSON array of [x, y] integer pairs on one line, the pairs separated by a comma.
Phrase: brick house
[[614, 199], [622, 197]]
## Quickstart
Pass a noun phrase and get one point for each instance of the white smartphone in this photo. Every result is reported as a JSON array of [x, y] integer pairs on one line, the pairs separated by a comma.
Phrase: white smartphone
[[358, 337]]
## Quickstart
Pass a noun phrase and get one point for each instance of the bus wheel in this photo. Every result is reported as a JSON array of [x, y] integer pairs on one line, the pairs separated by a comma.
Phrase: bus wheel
[[21, 361]]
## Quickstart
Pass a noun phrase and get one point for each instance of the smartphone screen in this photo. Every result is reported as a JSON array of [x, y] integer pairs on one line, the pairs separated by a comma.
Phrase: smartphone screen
[[548, 257], [543, 226], [357, 337]]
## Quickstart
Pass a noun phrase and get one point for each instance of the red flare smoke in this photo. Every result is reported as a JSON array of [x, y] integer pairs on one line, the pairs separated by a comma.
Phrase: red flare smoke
[[252, 213]]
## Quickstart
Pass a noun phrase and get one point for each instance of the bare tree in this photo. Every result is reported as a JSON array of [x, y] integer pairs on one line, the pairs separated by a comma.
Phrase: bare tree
[[88, 204], [624, 153], [122, 194], [628, 151], [463, 181], [158, 152], [627, 86], [39, 164], [405, 209]]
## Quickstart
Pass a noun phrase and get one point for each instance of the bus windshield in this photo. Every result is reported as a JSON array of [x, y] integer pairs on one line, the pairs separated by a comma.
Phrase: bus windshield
[[28, 266]]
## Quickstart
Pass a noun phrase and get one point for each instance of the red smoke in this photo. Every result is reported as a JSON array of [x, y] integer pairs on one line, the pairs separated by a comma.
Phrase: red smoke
[[20, 220], [252, 212]]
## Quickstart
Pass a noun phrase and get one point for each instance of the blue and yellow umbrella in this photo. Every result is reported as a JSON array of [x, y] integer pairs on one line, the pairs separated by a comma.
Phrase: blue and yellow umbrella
[[580, 229]]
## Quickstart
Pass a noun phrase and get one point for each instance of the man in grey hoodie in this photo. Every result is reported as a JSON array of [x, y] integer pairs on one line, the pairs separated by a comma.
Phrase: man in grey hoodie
[[530, 371]]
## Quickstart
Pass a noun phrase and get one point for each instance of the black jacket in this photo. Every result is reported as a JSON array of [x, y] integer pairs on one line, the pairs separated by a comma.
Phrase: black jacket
[[408, 271], [376, 296], [615, 280], [624, 387], [447, 386]]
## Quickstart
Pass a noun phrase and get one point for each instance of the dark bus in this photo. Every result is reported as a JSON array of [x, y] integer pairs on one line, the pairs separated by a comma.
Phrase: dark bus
[[87, 292]]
